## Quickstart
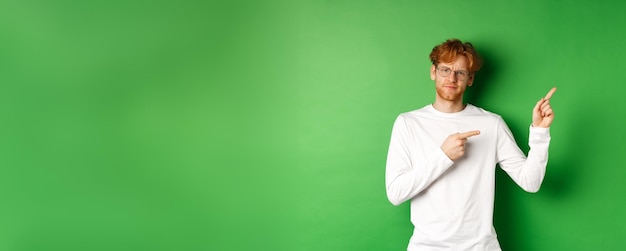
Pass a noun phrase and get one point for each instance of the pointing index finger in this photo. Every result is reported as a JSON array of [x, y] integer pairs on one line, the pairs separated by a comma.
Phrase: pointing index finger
[[549, 95], [466, 135]]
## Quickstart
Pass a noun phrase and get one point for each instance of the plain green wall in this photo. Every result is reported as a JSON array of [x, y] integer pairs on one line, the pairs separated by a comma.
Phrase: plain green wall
[[264, 125], [364, 63]]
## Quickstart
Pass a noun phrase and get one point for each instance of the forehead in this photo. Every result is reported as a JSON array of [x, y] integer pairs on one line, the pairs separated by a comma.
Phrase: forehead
[[459, 63]]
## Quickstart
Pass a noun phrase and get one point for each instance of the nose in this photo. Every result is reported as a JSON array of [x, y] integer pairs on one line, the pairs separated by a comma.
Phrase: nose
[[452, 77]]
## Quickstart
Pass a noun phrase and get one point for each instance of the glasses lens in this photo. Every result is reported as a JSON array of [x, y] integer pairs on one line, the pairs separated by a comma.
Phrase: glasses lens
[[443, 71], [462, 75]]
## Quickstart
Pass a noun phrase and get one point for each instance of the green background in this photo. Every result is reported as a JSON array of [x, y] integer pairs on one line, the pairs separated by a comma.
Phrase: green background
[[264, 125]]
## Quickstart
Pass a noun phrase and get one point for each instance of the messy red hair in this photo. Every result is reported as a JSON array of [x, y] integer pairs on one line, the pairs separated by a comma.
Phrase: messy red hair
[[449, 50]]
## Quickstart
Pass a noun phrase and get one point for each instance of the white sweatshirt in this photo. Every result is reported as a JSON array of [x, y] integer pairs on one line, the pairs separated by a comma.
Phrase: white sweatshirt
[[452, 202]]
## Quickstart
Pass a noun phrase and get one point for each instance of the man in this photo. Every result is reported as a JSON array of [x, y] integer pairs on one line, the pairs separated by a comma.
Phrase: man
[[442, 158]]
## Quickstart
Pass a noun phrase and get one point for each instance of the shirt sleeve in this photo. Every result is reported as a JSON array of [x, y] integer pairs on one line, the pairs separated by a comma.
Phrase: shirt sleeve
[[406, 176], [527, 171]]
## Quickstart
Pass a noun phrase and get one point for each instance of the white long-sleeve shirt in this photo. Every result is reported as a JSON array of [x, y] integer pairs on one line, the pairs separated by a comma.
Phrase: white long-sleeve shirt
[[452, 201]]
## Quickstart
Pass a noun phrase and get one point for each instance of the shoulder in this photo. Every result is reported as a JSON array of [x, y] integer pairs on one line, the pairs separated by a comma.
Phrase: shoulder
[[415, 114], [484, 116], [478, 111]]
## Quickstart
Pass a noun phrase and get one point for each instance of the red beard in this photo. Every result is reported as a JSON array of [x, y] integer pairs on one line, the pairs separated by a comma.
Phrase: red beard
[[449, 94]]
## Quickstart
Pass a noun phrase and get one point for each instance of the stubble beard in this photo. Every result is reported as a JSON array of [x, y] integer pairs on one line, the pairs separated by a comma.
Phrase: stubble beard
[[449, 95]]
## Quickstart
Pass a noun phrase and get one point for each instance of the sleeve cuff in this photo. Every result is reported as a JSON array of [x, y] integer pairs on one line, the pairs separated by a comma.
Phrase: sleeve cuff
[[540, 130], [445, 160], [538, 135]]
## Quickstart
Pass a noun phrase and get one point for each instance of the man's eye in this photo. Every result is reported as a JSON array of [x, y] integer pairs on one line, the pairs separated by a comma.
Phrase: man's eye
[[462, 73]]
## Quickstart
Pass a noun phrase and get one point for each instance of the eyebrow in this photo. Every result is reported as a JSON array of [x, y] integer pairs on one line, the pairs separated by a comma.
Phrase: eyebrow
[[449, 66], [441, 65]]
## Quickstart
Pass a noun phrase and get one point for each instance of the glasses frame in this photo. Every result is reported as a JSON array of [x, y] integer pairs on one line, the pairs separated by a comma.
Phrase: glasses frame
[[442, 69]]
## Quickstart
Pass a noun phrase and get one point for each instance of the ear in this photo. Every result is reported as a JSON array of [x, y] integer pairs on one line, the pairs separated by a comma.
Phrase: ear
[[470, 80], [432, 72]]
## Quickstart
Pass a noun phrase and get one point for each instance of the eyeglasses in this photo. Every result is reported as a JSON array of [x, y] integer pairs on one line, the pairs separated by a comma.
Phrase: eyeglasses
[[445, 72]]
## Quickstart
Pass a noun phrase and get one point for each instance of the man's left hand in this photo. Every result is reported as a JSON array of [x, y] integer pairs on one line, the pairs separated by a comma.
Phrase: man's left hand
[[542, 113]]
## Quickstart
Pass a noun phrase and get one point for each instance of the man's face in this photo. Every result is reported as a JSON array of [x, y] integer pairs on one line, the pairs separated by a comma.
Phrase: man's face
[[452, 87]]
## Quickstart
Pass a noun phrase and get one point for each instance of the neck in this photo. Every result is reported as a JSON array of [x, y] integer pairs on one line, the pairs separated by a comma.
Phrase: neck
[[448, 106]]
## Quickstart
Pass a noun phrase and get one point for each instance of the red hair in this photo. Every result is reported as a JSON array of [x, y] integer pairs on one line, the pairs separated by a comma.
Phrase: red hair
[[449, 50]]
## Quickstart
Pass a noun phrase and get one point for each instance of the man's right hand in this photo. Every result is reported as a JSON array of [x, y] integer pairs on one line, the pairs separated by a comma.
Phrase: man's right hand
[[454, 145]]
